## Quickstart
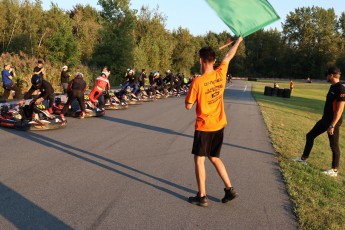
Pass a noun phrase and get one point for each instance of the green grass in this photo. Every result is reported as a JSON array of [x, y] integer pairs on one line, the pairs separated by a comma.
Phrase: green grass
[[319, 200]]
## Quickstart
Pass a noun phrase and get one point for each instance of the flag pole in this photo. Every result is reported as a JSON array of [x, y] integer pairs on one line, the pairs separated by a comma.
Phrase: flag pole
[[228, 42], [226, 45]]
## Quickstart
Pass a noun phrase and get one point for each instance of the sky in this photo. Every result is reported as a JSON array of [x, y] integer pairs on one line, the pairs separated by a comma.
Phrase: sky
[[191, 14]]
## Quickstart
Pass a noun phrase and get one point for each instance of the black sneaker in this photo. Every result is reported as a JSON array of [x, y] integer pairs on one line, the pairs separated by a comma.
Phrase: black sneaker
[[230, 194], [197, 200]]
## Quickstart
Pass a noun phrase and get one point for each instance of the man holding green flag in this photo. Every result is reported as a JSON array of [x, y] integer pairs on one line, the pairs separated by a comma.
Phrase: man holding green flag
[[207, 92]]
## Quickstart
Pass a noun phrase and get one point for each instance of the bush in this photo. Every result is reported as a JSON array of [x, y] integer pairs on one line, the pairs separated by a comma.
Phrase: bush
[[24, 65]]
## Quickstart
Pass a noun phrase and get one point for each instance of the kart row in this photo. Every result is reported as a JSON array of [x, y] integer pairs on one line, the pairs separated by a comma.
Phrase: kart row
[[30, 116]]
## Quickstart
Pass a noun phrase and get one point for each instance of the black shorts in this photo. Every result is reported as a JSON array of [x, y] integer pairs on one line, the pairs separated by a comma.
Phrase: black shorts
[[208, 144]]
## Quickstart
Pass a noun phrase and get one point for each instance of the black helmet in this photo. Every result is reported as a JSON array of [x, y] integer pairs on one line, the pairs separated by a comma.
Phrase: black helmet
[[36, 80]]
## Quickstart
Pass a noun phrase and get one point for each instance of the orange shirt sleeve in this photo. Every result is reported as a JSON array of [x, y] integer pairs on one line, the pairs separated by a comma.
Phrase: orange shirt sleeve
[[192, 95]]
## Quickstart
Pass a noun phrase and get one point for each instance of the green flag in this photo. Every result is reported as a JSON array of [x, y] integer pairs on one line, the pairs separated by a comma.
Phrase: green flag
[[244, 16]]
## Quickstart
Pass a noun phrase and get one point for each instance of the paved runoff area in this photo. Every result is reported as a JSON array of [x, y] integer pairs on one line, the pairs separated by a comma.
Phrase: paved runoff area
[[133, 169]]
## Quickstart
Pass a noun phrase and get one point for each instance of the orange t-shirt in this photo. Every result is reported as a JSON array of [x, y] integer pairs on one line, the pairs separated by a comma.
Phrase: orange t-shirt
[[207, 91]]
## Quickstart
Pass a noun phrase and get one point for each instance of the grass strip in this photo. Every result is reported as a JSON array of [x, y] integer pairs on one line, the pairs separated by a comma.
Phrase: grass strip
[[319, 200]]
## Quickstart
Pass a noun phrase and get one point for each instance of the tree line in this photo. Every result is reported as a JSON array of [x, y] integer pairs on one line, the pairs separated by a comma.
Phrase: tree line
[[119, 37]]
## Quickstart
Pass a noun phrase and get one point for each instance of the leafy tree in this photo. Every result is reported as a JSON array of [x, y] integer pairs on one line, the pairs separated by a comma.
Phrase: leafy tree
[[86, 23], [153, 43], [58, 42], [341, 25], [115, 48], [198, 43], [264, 54], [9, 22], [311, 31], [184, 53]]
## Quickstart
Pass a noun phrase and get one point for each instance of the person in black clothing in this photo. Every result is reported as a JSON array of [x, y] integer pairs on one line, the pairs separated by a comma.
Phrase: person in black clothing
[[64, 79], [151, 77], [178, 80], [39, 69], [228, 78], [142, 78], [330, 121], [131, 80], [76, 89], [46, 92], [169, 77], [158, 81]]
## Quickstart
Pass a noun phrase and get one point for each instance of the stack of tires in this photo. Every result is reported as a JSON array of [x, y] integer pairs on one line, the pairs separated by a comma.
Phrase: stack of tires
[[277, 92]]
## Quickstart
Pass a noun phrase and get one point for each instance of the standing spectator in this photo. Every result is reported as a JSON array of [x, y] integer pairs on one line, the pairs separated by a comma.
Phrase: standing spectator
[[8, 84], [291, 85], [207, 92], [39, 69], [330, 121], [64, 79]]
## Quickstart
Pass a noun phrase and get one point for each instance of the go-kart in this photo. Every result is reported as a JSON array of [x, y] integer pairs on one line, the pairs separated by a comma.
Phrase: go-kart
[[144, 96], [29, 117], [160, 95], [129, 98], [74, 111], [113, 103], [11, 118]]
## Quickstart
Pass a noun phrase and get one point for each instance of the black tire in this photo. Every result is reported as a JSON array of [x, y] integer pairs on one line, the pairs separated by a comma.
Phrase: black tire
[[280, 92], [21, 125], [268, 90], [287, 93]]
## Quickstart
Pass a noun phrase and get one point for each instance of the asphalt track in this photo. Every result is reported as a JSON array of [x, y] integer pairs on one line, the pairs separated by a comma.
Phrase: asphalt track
[[133, 169]]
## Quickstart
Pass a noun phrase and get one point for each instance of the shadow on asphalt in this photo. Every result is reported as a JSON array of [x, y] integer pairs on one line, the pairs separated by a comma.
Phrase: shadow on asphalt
[[169, 131], [24, 214], [70, 150]]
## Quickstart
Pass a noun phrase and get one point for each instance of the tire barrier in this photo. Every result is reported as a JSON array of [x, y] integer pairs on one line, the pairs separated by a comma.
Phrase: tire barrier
[[287, 93], [277, 92], [280, 92], [274, 92], [268, 90]]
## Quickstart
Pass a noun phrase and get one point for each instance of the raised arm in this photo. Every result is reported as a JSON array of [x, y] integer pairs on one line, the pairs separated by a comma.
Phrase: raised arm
[[231, 53]]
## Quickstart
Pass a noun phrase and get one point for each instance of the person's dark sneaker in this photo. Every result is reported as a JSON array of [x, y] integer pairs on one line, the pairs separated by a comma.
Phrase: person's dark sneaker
[[230, 194], [197, 200]]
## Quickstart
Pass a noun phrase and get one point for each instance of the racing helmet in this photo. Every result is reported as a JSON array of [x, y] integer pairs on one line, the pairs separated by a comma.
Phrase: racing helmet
[[155, 74], [79, 75], [58, 100], [104, 73], [36, 80], [131, 72]]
